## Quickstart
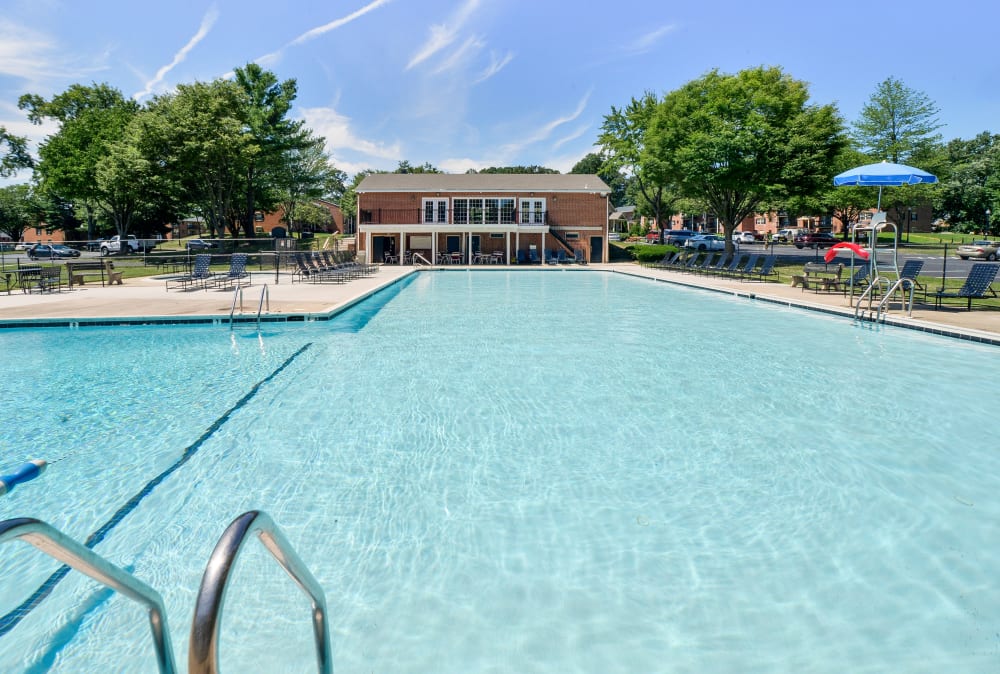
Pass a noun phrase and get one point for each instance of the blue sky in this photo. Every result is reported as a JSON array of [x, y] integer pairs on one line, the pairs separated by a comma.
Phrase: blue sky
[[474, 83]]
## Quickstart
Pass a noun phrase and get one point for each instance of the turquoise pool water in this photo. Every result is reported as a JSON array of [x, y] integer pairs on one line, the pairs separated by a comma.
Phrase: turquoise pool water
[[521, 472]]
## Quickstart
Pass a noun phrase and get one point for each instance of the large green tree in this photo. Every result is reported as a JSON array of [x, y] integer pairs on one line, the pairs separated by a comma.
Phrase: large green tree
[[309, 174], [91, 119], [970, 181], [897, 123], [735, 142], [625, 144], [19, 210], [264, 112]]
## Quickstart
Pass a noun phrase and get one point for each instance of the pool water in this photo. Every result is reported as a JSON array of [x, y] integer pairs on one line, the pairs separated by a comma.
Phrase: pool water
[[520, 472]]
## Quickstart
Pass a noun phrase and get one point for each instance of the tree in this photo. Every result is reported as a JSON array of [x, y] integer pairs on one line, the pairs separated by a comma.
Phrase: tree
[[625, 145], [735, 142], [533, 169], [198, 137], [897, 123], [13, 153], [309, 175], [848, 202], [91, 119], [616, 180], [970, 182], [19, 210], [406, 167], [266, 103]]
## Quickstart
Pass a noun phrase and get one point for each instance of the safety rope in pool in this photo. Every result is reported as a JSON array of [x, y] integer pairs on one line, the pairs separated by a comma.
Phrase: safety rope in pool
[[15, 616]]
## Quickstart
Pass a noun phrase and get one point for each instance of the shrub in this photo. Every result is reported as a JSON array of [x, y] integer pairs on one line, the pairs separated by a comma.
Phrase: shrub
[[650, 253]]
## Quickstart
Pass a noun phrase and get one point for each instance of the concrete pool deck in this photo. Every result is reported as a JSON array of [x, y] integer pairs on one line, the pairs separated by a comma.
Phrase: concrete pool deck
[[147, 297]]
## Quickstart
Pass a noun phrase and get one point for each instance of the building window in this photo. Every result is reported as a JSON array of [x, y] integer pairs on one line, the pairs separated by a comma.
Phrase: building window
[[461, 211], [496, 235], [435, 210], [760, 221], [258, 216], [506, 211], [572, 236], [532, 211]]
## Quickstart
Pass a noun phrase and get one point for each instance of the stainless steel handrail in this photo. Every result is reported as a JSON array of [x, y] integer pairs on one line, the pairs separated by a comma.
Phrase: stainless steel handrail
[[203, 656], [63, 548], [264, 293], [232, 310]]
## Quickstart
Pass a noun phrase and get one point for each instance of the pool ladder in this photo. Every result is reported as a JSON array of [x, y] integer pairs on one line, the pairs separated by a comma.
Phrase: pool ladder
[[203, 653], [876, 313], [265, 295]]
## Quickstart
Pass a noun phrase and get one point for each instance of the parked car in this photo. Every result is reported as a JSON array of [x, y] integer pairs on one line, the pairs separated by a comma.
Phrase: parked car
[[199, 244], [51, 251], [677, 237], [744, 237], [815, 240], [24, 246], [981, 250], [786, 235], [706, 242], [94, 246]]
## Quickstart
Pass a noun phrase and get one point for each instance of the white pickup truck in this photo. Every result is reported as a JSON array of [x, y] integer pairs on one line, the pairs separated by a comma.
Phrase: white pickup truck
[[135, 245]]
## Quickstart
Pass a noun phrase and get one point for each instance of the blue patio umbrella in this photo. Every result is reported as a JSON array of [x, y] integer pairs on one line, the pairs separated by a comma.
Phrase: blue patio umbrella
[[883, 174]]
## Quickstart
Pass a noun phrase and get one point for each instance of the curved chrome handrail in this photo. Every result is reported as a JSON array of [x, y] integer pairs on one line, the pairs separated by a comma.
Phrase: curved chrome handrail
[[203, 656], [58, 545]]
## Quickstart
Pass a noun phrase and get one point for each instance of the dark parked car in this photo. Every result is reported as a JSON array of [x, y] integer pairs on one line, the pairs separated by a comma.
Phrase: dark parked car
[[94, 245], [815, 240], [678, 237], [199, 244], [52, 251]]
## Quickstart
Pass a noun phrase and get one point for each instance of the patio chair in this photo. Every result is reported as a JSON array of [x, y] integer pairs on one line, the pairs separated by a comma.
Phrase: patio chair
[[533, 256], [720, 265], [579, 257], [910, 270], [550, 256], [198, 277], [707, 263], [734, 264], [668, 260], [748, 266], [561, 257], [858, 280], [766, 269], [976, 287], [236, 277], [521, 258]]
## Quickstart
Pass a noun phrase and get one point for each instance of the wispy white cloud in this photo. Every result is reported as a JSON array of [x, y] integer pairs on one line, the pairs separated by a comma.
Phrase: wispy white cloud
[[546, 130], [336, 128], [496, 65], [442, 35], [469, 48], [33, 56], [207, 22], [647, 41], [313, 33], [512, 153], [571, 137]]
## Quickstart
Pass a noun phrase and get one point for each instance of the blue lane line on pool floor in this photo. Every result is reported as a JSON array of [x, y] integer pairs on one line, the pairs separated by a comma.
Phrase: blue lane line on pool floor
[[11, 619]]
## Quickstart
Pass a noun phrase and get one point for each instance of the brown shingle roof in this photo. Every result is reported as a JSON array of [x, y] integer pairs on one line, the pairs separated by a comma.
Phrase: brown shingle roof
[[482, 182]]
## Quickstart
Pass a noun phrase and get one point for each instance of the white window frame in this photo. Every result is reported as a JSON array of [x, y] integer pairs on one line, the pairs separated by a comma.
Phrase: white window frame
[[531, 211], [439, 210]]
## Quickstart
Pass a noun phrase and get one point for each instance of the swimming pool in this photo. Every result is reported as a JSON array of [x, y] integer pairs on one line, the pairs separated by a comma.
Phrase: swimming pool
[[521, 472]]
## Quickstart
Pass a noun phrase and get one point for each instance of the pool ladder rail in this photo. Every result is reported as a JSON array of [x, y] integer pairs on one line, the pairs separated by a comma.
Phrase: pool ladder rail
[[203, 654], [265, 296], [876, 313]]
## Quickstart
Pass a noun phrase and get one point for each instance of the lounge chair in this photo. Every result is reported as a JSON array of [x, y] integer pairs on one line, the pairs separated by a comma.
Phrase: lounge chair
[[521, 257], [719, 266], [236, 277], [910, 270], [748, 266], [766, 269], [550, 257], [533, 256], [707, 263], [578, 257], [668, 260], [561, 257], [198, 277], [976, 287], [734, 264], [859, 279]]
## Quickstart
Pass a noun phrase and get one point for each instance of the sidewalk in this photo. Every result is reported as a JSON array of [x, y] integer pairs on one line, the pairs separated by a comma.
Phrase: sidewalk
[[147, 298]]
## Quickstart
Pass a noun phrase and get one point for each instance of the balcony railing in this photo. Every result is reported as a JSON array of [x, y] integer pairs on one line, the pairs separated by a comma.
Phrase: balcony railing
[[412, 216]]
